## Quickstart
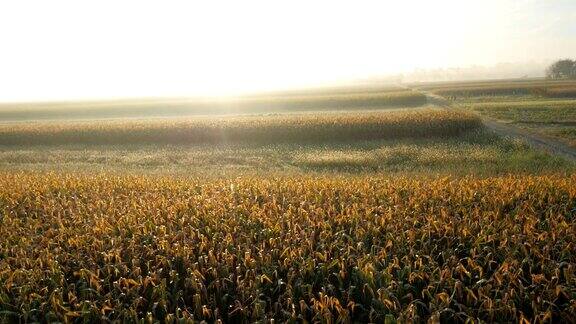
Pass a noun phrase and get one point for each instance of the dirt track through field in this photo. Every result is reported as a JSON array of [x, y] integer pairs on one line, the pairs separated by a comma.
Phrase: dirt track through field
[[534, 140]]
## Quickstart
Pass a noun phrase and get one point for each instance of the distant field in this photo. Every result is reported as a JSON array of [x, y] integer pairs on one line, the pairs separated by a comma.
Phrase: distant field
[[492, 83], [543, 106], [559, 112], [283, 128], [536, 88], [319, 100]]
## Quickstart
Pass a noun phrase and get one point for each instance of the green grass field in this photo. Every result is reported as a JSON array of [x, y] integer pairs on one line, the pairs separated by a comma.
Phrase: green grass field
[[476, 153], [544, 107]]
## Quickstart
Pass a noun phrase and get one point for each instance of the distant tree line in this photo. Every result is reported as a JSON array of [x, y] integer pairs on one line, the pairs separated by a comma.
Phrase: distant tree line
[[562, 69]]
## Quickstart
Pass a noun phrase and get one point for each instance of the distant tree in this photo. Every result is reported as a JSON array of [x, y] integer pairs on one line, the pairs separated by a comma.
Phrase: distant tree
[[562, 69]]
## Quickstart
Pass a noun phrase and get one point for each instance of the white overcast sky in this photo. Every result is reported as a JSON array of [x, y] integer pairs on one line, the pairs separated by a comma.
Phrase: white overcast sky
[[90, 49]]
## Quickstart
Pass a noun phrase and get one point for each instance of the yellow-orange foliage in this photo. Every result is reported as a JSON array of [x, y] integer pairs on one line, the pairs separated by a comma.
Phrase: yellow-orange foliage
[[76, 248], [283, 128]]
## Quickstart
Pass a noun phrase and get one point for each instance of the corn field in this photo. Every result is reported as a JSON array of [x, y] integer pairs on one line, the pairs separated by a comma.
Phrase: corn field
[[312, 100], [258, 129], [77, 248], [517, 88]]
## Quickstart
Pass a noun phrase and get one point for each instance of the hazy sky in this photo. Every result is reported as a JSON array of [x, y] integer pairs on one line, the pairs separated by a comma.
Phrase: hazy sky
[[72, 49]]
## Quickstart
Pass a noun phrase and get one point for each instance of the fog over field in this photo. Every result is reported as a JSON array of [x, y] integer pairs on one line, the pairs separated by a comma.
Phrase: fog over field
[[74, 50]]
